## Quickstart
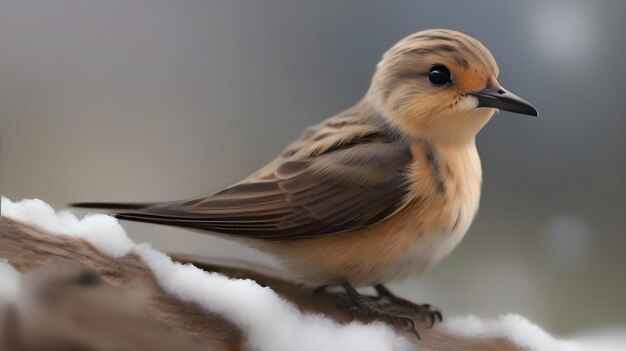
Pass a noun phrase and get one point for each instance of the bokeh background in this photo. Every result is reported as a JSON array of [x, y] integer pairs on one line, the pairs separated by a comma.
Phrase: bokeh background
[[161, 100]]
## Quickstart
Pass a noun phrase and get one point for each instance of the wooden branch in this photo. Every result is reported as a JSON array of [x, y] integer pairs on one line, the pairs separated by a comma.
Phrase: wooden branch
[[26, 247]]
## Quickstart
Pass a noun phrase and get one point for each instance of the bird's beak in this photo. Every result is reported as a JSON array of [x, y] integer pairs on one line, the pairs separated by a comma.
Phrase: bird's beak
[[504, 100]]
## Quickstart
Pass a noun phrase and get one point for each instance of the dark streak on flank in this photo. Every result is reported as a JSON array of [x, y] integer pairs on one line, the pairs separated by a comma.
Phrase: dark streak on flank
[[457, 221], [435, 163]]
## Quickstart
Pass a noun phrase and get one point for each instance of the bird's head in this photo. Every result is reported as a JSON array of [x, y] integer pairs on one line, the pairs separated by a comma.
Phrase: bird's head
[[441, 84]]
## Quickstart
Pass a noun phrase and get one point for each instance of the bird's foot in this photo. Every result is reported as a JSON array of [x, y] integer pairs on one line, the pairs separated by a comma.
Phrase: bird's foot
[[370, 307], [388, 301]]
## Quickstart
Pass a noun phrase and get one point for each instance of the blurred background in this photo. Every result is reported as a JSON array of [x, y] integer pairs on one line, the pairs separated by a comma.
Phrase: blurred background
[[163, 100]]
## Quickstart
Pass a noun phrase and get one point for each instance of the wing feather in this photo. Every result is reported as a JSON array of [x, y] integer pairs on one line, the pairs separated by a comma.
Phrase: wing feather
[[352, 182]]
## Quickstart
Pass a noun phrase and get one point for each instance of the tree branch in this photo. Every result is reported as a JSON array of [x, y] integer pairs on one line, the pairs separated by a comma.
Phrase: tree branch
[[26, 246]]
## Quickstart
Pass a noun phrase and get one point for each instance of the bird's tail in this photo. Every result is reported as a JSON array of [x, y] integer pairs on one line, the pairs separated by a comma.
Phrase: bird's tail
[[141, 212], [112, 205]]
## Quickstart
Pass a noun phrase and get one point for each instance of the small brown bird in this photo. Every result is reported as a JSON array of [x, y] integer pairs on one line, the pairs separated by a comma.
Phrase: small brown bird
[[382, 190]]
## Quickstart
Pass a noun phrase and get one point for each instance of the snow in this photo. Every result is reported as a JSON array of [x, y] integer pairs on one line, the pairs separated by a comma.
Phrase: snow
[[511, 326], [603, 339], [269, 322], [102, 231]]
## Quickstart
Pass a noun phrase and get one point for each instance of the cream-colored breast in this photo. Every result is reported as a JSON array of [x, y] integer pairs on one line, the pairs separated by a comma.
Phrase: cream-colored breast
[[446, 182], [459, 182]]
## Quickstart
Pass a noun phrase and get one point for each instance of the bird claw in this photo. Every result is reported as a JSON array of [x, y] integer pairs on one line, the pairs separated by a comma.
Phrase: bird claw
[[398, 319], [410, 326], [430, 314], [389, 307], [427, 312]]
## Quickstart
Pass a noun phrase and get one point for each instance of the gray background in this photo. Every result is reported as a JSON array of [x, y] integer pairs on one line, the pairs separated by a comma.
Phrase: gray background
[[156, 100]]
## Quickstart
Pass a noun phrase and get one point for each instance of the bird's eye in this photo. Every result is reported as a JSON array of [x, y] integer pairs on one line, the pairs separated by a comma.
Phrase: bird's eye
[[439, 75]]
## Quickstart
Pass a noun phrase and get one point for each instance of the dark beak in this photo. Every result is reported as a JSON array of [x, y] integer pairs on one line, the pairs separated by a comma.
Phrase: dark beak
[[504, 100]]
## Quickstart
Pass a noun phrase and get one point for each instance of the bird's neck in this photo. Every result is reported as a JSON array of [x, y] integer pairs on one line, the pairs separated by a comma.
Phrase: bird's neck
[[459, 130], [453, 150], [457, 155]]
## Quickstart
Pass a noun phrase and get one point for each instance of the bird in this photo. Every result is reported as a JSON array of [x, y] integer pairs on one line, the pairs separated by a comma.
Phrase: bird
[[380, 191]]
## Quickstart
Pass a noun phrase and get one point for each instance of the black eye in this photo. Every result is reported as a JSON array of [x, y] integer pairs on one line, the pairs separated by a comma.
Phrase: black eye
[[439, 75]]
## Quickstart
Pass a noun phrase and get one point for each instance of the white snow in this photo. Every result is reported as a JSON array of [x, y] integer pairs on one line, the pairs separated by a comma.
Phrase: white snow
[[270, 323], [102, 231], [511, 326], [603, 339]]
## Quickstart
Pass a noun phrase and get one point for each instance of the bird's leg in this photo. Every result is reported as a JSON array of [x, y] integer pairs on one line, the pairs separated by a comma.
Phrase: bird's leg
[[362, 303], [427, 312]]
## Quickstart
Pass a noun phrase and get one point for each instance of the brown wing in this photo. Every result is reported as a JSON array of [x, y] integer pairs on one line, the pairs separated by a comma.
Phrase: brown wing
[[357, 177]]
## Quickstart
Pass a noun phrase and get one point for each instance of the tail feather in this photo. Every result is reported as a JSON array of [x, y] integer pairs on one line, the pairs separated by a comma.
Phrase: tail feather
[[111, 205]]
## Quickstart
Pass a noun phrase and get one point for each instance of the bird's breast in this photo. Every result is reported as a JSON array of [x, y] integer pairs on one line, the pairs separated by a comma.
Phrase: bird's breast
[[447, 180], [444, 198]]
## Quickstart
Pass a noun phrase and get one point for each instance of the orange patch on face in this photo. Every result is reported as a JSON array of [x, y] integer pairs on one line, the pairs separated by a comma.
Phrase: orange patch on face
[[473, 79]]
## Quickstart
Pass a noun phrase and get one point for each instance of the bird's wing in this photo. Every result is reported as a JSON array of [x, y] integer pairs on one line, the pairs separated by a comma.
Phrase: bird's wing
[[332, 179]]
